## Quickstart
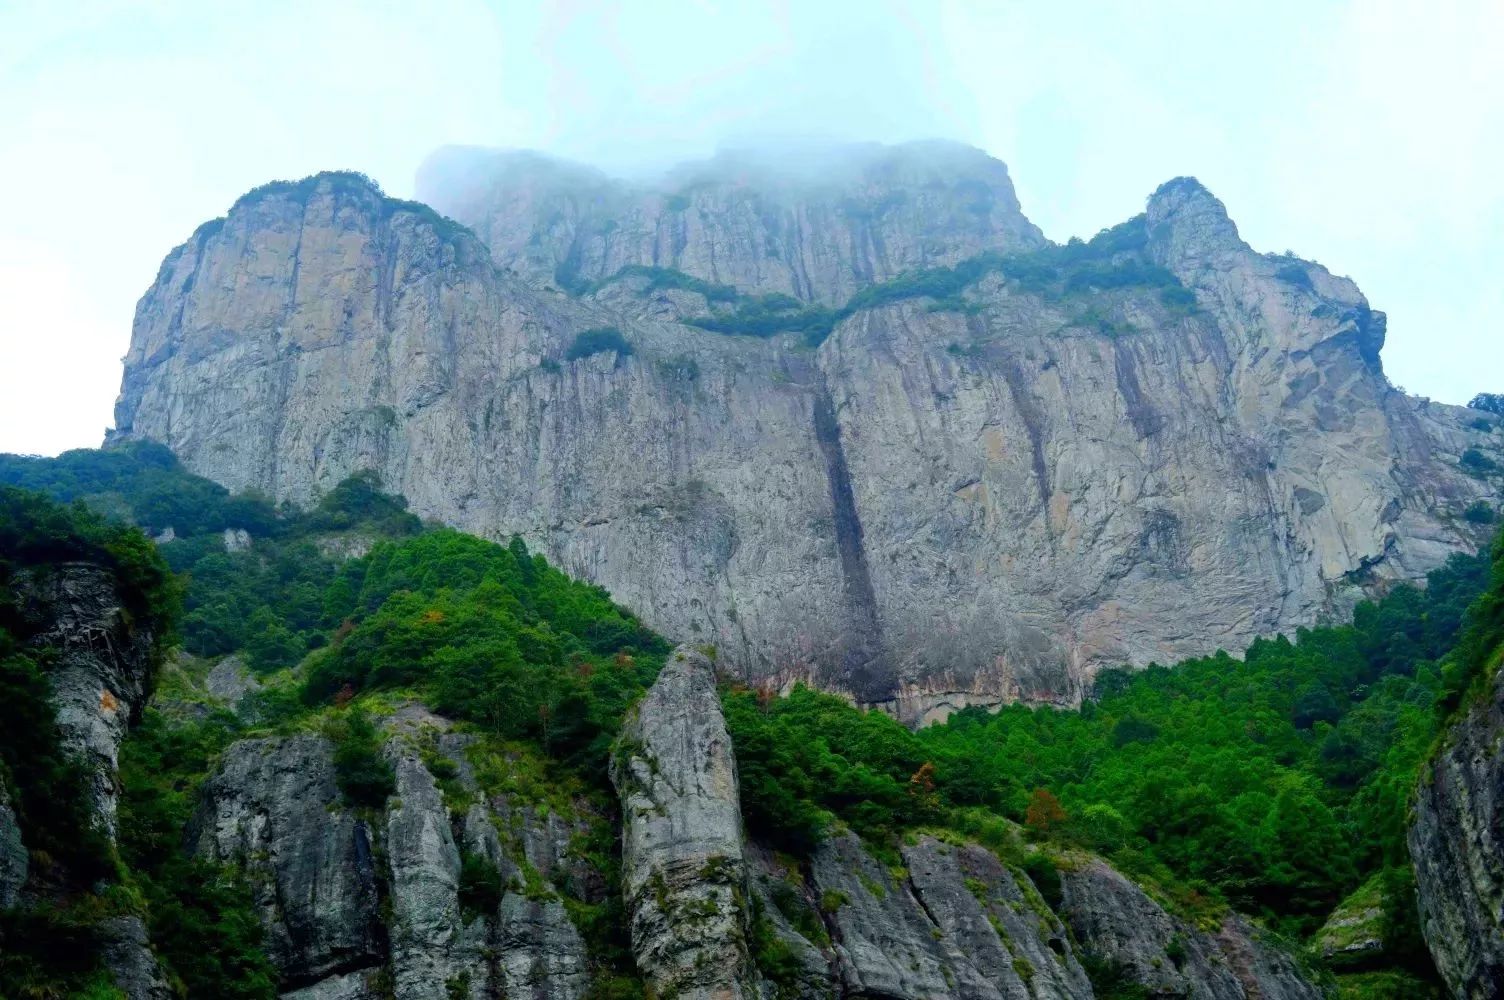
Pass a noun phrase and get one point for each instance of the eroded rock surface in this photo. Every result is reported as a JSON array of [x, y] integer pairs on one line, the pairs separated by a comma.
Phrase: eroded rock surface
[[356, 906], [102, 671], [100, 663], [274, 811], [1456, 842], [683, 871], [15, 860], [947, 503], [1121, 927], [817, 224]]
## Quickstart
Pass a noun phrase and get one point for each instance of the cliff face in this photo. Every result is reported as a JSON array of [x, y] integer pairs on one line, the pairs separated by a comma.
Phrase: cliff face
[[1144, 449], [1457, 846], [815, 224], [99, 664], [362, 903]]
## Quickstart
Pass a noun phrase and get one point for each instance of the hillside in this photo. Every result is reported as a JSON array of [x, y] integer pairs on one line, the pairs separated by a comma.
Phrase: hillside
[[408, 694]]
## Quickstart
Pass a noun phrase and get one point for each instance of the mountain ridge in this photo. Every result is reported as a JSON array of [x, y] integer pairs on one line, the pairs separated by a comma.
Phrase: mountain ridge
[[1139, 448]]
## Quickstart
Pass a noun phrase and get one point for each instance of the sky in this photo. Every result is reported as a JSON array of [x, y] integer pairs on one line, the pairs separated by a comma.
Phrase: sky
[[1367, 135]]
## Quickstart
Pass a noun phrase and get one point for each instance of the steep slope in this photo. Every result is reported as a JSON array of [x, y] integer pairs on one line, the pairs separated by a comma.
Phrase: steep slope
[[950, 921], [815, 223], [1456, 834], [83, 609], [982, 485]]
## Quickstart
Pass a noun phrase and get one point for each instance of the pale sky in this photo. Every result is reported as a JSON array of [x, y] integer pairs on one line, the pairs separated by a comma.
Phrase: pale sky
[[1366, 135]]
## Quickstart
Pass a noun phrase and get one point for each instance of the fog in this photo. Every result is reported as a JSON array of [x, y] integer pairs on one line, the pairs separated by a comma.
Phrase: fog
[[1363, 135]]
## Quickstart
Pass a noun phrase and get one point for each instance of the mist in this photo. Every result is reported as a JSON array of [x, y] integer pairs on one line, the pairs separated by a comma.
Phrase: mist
[[1360, 135]]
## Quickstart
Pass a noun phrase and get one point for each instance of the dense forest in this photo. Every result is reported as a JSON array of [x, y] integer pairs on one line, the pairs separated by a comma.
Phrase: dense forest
[[1275, 782]]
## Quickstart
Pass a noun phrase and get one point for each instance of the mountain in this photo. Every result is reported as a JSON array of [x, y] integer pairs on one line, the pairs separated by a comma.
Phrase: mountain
[[372, 758], [851, 422]]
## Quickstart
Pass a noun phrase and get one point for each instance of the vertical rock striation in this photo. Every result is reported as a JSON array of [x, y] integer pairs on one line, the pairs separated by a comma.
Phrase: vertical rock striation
[[358, 906], [816, 224], [683, 873], [1127, 933], [1160, 446], [273, 810], [1456, 841], [99, 665]]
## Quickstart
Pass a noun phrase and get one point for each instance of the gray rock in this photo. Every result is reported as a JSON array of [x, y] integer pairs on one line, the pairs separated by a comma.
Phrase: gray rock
[[1456, 840], [272, 809], [349, 986], [100, 675], [934, 509], [237, 539], [129, 958], [778, 885], [427, 940], [819, 224], [230, 680], [996, 920], [1119, 926], [885, 943], [15, 860], [534, 948], [1354, 933], [683, 872]]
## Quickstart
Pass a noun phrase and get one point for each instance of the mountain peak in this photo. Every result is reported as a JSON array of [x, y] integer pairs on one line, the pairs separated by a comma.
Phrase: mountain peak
[[1188, 223]]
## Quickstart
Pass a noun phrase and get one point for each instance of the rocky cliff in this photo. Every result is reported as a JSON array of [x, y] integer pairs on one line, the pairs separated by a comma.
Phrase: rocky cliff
[[1457, 846], [816, 224], [950, 487], [98, 659], [361, 903]]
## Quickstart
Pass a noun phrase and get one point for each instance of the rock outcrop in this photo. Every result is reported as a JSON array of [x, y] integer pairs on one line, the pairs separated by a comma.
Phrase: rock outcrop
[[1149, 448], [683, 872], [1128, 934], [99, 661], [15, 860], [1353, 936], [1456, 841], [356, 906], [952, 921], [101, 671], [273, 810]]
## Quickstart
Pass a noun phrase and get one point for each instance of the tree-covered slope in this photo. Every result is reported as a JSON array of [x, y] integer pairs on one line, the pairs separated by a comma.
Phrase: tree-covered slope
[[1275, 784]]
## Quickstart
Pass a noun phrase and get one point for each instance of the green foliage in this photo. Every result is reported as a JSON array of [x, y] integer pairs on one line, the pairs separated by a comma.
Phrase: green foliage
[[1276, 783], [598, 341], [1295, 274], [267, 599], [364, 776], [664, 278], [201, 918], [37, 533], [480, 886], [50, 789], [809, 757], [1478, 464], [1115, 258], [491, 634], [356, 185], [1488, 402], [52, 953], [357, 502], [1480, 512]]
